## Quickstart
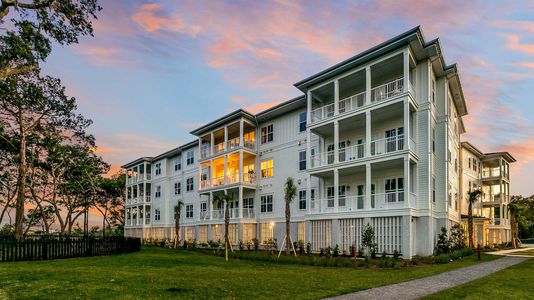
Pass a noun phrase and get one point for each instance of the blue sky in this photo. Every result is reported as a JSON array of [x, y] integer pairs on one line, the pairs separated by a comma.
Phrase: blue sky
[[155, 70]]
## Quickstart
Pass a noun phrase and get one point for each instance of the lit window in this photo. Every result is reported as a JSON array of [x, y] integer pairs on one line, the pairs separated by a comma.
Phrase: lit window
[[267, 134], [267, 168], [266, 202]]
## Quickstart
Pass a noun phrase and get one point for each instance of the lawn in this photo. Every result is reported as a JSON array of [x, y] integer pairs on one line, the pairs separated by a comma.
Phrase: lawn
[[161, 273], [524, 252], [516, 282]]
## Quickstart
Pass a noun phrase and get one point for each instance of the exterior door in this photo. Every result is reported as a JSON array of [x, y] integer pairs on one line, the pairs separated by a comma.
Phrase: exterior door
[[360, 150], [330, 154], [361, 196], [341, 195], [330, 196], [342, 155]]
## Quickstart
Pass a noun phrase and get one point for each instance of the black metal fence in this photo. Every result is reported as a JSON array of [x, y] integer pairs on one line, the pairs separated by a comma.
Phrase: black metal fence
[[45, 247]]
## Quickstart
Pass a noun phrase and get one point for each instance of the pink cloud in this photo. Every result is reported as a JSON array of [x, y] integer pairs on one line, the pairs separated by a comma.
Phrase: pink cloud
[[513, 42], [529, 65], [148, 17], [517, 25]]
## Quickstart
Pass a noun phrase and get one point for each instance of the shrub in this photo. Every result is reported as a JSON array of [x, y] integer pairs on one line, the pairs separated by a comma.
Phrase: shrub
[[328, 251], [442, 259], [396, 254], [321, 252], [384, 255], [352, 251], [185, 244], [300, 245], [443, 246], [336, 251], [368, 238], [457, 238], [308, 248], [256, 243], [241, 245], [249, 245]]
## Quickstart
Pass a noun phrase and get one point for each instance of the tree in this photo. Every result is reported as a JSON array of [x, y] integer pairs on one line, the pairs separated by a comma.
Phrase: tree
[[224, 199], [35, 24], [177, 216], [443, 246], [471, 199], [457, 237], [290, 191], [110, 201], [368, 239]]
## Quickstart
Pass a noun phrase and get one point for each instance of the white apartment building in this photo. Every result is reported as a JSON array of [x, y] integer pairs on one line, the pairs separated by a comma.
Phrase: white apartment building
[[373, 140]]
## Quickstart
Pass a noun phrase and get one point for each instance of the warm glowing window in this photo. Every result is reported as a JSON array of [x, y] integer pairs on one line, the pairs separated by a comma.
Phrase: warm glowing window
[[267, 168], [267, 134]]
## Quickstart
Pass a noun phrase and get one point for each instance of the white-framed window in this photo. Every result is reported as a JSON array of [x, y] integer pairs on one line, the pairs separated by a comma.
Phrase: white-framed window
[[302, 160], [189, 211], [302, 199], [177, 188], [267, 168], [157, 214], [433, 189], [178, 164], [266, 232], [158, 168], [266, 202], [394, 188], [312, 198], [433, 88], [190, 157], [248, 202], [158, 191], [190, 184], [203, 206], [302, 121], [267, 134]]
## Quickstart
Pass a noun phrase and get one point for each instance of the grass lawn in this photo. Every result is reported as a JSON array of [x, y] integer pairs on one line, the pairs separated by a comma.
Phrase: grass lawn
[[516, 282], [162, 273], [524, 252]]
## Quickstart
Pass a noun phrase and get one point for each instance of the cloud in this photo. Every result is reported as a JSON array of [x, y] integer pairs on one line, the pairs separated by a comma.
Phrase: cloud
[[511, 24], [151, 18], [513, 42]]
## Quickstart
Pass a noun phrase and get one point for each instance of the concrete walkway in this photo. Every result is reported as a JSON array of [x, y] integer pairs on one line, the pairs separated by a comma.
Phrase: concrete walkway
[[429, 285], [514, 252]]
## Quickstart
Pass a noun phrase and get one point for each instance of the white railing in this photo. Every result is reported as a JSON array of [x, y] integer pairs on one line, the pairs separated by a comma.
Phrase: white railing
[[148, 176], [388, 200], [387, 145], [249, 178], [233, 143], [217, 181], [351, 103], [147, 198], [248, 213], [387, 90], [204, 153], [217, 214], [232, 178], [321, 159], [251, 144], [204, 215], [128, 221], [352, 153], [494, 172], [234, 213], [218, 148], [205, 184], [147, 220], [322, 113]]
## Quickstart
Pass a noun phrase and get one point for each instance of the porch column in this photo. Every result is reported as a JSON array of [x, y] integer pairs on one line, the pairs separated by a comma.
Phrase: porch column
[[240, 202], [240, 173], [368, 85], [407, 199], [367, 134], [309, 163], [336, 97], [241, 132], [211, 207], [406, 64], [212, 143], [225, 167], [367, 186], [308, 108], [308, 192], [225, 145], [336, 141], [336, 189], [406, 123]]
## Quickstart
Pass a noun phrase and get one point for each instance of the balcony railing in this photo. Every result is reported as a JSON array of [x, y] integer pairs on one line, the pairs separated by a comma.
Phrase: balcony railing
[[232, 178], [147, 198], [322, 113], [218, 148], [248, 178], [204, 153], [389, 200], [248, 143], [233, 144], [488, 173], [234, 213], [351, 103], [217, 214], [387, 90], [248, 213], [204, 215], [387, 145]]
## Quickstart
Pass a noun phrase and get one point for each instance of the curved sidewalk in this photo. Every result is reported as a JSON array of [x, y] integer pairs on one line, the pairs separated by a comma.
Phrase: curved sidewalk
[[429, 285]]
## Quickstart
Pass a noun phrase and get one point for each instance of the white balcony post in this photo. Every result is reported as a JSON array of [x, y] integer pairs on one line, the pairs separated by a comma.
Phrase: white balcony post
[[336, 141], [368, 186], [336, 189], [308, 192], [308, 149], [240, 172], [367, 151], [225, 144], [212, 175], [210, 205], [240, 202], [212, 143], [407, 195], [225, 169], [368, 85], [200, 148], [241, 133], [308, 108], [406, 124], [336, 97], [406, 59]]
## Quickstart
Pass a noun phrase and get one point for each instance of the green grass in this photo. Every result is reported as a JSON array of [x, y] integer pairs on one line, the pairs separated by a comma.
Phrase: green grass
[[524, 252], [162, 273], [516, 282]]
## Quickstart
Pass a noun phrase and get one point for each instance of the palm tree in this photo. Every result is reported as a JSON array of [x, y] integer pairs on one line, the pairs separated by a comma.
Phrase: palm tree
[[515, 211], [224, 199], [290, 193], [177, 214], [473, 196]]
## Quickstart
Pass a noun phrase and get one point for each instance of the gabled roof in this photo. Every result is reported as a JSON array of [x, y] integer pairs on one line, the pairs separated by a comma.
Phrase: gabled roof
[[472, 149], [136, 162], [506, 155], [223, 120]]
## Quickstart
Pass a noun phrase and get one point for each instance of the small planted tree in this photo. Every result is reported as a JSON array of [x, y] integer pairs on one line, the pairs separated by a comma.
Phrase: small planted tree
[[457, 237], [224, 199], [473, 196], [290, 191], [368, 239], [443, 246], [177, 214]]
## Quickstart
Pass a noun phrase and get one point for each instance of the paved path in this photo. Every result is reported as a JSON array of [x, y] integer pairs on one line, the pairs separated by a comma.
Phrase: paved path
[[429, 285], [514, 252]]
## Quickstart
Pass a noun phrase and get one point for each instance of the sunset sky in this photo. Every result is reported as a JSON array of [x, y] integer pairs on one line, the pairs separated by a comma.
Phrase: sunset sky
[[156, 70]]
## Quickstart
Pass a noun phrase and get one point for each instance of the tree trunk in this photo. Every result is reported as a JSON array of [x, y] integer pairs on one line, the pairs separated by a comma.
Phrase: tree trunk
[[21, 185], [288, 228], [226, 225], [177, 229], [470, 224], [513, 227]]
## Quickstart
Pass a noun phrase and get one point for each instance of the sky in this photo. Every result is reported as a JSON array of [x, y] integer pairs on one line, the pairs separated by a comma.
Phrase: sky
[[155, 70]]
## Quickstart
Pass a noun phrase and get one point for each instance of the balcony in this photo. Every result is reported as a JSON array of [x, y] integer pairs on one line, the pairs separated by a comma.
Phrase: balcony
[[387, 90], [204, 215], [380, 201], [249, 179], [249, 213], [217, 214]]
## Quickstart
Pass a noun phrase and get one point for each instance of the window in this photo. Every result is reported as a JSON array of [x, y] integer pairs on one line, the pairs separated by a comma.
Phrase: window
[[248, 203], [178, 164], [158, 169], [302, 160], [267, 168], [433, 140], [190, 157], [158, 191], [190, 184], [433, 91], [266, 202], [469, 162], [394, 189], [302, 121], [177, 188], [312, 198], [474, 164], [189, 211], [157, 214], [267, 134], [302, 199], [433, 189], [266, 232]]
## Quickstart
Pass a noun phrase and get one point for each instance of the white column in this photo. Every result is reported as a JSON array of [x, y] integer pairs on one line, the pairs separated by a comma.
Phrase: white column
[[367, 186], [308, 193], [368, 85], [240, 202], [406, 123], [367, 134], [241, 132], [308, 108], [336, 97], [407, 182], [212, 143], [240, 174], [210, 207], [308, 149], [336, 189], [336, 141], [225, 138], [225, 167], [406, 64]]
